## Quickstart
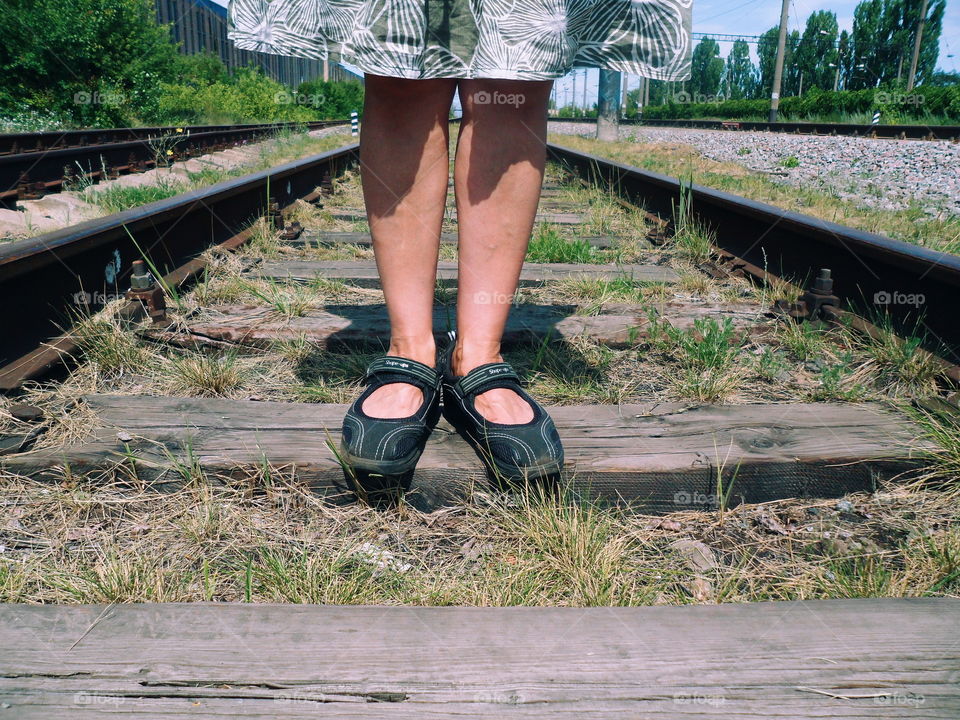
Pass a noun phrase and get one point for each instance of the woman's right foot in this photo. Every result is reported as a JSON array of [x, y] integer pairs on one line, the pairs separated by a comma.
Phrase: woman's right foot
[[396, 400], [400, 399], [379, 454]]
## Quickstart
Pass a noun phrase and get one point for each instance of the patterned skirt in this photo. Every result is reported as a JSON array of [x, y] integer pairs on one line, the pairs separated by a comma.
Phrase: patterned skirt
[[508, 39]]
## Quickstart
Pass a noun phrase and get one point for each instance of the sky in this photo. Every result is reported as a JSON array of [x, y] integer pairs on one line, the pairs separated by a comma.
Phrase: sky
[[753, 17]]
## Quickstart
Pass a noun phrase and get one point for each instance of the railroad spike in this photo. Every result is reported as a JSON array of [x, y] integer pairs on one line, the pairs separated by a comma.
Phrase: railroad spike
[[145, 289], [811, 304], [326, 184], [291, 231]]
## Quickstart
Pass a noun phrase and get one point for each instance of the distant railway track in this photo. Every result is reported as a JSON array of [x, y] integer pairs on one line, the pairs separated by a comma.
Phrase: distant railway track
[[889, 132], [35, 164]]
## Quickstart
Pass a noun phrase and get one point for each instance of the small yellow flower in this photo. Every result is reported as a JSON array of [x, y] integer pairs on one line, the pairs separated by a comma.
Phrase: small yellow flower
[[169, 152]]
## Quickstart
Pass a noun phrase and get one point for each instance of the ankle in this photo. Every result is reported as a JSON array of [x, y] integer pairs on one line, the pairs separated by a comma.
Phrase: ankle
[[422, 350], [467, 356]]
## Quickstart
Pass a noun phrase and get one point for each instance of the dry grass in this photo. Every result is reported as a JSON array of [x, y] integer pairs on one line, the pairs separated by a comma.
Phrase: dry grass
[[89, 541]]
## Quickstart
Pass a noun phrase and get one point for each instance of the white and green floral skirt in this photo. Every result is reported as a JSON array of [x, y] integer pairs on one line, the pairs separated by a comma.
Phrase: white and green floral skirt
[[509, 39]]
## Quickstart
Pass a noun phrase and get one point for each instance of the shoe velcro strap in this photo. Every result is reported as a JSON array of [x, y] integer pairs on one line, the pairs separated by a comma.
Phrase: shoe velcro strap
[[493, 374], [389, 365]]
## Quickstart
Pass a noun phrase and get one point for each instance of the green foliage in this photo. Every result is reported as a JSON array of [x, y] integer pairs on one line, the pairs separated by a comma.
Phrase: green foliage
[[91, 62], [706, 68], [331, 100], [927, 103], [740, 78], [549, 246], [107, 63], [247, 96]]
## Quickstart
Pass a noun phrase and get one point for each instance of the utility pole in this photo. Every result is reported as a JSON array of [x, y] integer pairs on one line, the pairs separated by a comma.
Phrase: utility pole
[[608, 106], [916, 46], [585, 78], [778, 69], [573, 76]]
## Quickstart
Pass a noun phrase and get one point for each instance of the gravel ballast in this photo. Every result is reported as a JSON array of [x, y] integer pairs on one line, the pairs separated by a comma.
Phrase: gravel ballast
[[882, 174]]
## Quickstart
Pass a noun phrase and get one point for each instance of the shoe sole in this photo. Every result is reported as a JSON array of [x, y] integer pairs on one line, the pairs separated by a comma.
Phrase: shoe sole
[[376, 481], [498, 472]]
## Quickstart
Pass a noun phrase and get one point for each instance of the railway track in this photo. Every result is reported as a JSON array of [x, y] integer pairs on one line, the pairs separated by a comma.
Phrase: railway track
[[889, 132], [676, 380], [316, 290], [35, 164]]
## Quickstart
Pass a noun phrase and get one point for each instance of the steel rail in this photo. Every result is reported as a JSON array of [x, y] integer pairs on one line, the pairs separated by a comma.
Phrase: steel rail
[[875, 277], [15, 143], [38, 163], [47, 280], [890, 132]]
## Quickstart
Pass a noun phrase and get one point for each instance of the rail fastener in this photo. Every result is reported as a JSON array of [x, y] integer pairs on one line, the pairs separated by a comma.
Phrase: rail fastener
[[145, 289], [813, 302]]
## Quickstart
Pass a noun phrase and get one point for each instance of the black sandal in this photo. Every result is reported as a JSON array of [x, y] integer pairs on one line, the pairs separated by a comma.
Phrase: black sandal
[[379, 454], [512, 454]]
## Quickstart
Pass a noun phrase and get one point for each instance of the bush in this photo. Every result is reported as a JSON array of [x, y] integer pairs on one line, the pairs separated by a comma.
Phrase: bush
[[897, 105], [330, 100], [89, 62], [249, 96]]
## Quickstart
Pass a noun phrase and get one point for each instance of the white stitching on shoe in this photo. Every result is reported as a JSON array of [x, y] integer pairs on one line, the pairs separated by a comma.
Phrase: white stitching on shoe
[[382, 445], [529, 449]]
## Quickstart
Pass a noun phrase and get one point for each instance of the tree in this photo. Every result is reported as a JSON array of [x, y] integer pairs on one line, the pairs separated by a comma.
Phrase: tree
[[791, 73], [817, 49], [883, 36], [767, 51], [844, 61], [92, 61], [740, 74], [706, 69]]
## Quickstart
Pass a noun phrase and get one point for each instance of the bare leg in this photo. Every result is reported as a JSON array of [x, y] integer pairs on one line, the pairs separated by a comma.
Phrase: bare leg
[[498, 173], [404, 168]]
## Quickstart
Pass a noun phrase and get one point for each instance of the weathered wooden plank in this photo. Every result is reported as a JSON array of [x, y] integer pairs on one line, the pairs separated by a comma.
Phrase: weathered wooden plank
[[365, 273], [322, 238], [891, 658], [659, 456], [352, 326]]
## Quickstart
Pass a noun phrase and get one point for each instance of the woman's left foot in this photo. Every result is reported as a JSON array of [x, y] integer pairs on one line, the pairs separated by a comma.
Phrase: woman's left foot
[[525, 451]]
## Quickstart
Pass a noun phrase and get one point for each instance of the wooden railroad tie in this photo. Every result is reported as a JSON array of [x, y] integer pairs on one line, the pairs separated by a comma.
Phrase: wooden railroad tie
[[659, 456], [879, 659]]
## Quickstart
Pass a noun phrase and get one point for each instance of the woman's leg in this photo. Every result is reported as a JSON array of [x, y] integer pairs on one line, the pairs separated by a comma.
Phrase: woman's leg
[[498, 173], [404, 168]]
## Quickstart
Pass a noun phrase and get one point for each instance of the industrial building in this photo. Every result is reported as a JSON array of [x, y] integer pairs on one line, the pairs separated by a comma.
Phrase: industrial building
[[201, 26]]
